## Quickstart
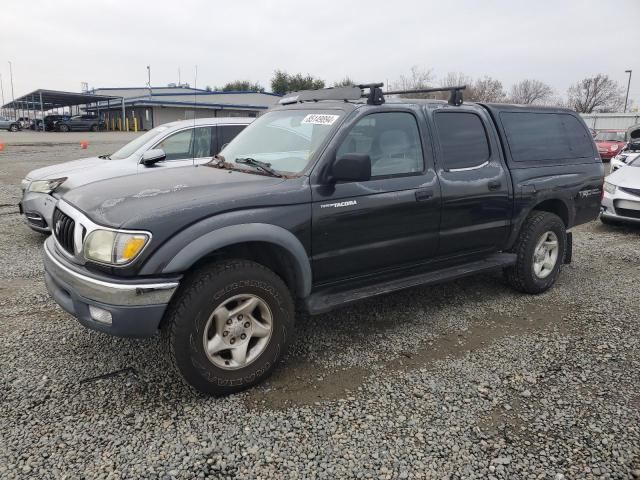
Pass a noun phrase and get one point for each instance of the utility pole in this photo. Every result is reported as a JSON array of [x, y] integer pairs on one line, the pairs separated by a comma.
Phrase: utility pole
[[13, 98], [628, 85]]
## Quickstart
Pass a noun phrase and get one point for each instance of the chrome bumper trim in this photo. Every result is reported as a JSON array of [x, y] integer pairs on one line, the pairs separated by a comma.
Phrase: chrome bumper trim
[[117, 294]]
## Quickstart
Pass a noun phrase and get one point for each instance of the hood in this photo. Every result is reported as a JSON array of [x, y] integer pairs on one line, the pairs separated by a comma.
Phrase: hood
[[176, 197], [608, 143], [84, 171], [65, 169], [628, 176]]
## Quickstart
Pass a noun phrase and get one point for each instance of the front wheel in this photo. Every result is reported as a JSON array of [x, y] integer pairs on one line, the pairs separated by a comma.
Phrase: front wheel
[[94, 128], [541, 248], [228, 326], [63, 128], [13, 128]]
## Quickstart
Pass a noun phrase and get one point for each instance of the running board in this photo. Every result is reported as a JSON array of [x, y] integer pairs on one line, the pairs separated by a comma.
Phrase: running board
[[323, 301]]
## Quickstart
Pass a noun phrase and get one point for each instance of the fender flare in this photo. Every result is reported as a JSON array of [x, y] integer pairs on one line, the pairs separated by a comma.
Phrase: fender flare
[[241, 233]]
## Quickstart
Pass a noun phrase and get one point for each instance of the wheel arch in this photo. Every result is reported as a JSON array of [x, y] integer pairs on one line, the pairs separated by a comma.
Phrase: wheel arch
[[556, 206], [272, 246]]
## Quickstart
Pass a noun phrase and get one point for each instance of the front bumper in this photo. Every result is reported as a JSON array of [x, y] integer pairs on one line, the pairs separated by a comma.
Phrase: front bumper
[[621, 207], [608, 155], [38, 210], [135, 308]]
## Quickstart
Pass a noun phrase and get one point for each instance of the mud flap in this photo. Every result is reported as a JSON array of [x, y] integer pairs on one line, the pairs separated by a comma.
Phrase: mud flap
[[568, 254]]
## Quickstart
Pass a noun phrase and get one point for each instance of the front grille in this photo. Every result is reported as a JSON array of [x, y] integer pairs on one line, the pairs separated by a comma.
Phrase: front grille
[[632, 191], [63, 227]]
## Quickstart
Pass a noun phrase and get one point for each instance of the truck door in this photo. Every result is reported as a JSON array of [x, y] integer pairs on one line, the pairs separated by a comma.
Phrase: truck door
[[390, 220], [475, 185]]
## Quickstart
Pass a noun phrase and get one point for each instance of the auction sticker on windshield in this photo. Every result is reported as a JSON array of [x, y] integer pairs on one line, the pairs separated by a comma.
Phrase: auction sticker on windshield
[[320, 119]]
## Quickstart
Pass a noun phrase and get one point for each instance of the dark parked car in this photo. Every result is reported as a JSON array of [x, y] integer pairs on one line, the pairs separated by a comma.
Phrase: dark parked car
[[49, 122], [322, 201], [79, 122]]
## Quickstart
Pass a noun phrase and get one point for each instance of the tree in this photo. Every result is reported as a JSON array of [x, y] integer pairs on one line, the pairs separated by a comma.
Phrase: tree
[[345, 82], [417, 79], [242, 86], [457, 79], [528, 91], [282, 82], [486, 90], [598, 93]]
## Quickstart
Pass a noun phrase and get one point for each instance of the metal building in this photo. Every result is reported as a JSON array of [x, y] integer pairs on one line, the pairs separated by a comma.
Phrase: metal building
[[146, 107], [611, 121]]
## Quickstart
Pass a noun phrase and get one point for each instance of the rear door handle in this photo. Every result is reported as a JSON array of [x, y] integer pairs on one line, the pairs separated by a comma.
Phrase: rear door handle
[[495, 184], [422, 195]]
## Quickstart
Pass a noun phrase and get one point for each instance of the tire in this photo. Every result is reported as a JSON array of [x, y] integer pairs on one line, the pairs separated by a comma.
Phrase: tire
[[13, 128], [63, 128], [539, 230], [94, 128], [606, 221], [190, 322]]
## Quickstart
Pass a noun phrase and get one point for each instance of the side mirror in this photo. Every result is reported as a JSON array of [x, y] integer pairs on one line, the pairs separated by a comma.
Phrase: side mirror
[[352, 167], [153, 156]]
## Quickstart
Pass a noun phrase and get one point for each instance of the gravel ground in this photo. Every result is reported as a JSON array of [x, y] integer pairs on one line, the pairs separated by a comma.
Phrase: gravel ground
[[460, 381]]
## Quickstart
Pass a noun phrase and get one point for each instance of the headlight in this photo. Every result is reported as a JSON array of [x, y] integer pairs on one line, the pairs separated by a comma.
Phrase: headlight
[[24, 183], [114, 248], [613, 148], [46, 186], [609, 188]]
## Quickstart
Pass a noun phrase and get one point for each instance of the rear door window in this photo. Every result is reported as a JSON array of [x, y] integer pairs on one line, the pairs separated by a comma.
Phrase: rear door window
[[204, 142], [463, 140], [226, 133], [536, 136]]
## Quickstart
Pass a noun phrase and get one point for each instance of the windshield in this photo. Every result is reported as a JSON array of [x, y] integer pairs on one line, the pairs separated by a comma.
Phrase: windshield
[[285, 139], [131, 147], [610, 137], [635, 162]]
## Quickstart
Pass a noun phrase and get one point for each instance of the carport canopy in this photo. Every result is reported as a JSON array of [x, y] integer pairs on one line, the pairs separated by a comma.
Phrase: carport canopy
[[49, 99]]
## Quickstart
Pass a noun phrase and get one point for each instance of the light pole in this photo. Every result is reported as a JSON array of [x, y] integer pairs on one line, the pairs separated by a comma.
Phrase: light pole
[[13, 98], [626, 99]]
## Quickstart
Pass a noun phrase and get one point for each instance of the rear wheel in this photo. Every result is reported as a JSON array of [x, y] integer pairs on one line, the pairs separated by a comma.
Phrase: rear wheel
[[228, 326], [541, 248], [94, 128]]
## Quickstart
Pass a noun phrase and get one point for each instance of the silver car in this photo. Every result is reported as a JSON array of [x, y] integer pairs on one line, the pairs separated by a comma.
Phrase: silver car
[[630, 151], [7, 124], [170, 145], [621, 197]]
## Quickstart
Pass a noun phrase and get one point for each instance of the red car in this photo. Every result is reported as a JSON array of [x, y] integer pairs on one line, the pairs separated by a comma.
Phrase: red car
[[609, 143]]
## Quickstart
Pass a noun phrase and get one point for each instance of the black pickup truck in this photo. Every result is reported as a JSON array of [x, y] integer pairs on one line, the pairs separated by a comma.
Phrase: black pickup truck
[[333, 196]]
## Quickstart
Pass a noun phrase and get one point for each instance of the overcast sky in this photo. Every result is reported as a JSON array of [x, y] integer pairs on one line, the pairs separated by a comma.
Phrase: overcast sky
[[58, 45]]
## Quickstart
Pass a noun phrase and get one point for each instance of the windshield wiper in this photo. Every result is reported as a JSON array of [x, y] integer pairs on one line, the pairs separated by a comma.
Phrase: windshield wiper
[[105, 157], [264, 166]]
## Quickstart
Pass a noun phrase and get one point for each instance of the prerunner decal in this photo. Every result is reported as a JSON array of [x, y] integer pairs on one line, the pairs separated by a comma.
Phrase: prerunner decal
[[320, 119]]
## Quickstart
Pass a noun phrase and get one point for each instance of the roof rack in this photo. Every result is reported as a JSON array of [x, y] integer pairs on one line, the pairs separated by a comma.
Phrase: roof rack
[[375, 96]]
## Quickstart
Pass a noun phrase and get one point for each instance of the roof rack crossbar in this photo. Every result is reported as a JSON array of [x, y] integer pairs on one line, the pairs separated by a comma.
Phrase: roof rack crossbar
[[454, 99], [375, 95]]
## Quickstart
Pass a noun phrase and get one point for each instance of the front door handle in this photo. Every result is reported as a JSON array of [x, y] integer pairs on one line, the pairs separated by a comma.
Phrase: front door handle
[[495, 184], [423, 195]]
